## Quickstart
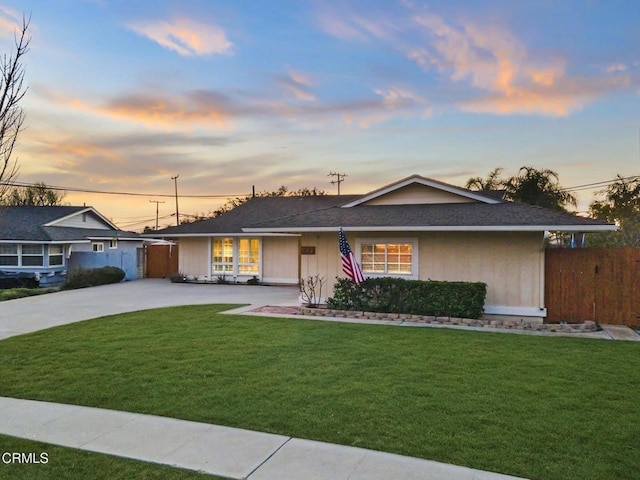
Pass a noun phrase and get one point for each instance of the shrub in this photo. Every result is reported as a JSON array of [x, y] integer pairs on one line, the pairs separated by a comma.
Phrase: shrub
[[91, 277], [417, 297], [253, 281]]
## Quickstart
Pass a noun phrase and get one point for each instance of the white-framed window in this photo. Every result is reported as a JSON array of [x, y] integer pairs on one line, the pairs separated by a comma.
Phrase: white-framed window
[[32, 255], [113, 244], [235, 256], [97, 247], [56, 255], [388, 257], [9, 255], [222, 256], [248, 256]]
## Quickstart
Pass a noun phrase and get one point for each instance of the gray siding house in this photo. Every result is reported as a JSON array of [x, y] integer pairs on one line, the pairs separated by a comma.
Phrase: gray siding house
[[50, 241]]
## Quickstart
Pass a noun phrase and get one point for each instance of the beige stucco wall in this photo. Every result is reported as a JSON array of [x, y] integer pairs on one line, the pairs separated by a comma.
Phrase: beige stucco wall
[[417, 194], [510, 263], [280, 259], [193, 257]]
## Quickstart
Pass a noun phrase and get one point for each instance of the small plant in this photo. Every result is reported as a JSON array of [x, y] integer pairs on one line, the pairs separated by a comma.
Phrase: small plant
[[222, 279], [311, 290], [178, 277], [253, 281]]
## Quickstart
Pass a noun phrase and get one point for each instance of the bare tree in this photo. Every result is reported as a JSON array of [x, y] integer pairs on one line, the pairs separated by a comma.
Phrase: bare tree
[[36, 195], [12, 89]]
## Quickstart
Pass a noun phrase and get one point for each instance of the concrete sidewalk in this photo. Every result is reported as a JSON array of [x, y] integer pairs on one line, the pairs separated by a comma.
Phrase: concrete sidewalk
[[223, 451]]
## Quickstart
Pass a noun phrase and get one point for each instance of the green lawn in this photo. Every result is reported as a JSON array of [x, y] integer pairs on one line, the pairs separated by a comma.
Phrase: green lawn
[[548, 408], [69, 464], [13, 293]]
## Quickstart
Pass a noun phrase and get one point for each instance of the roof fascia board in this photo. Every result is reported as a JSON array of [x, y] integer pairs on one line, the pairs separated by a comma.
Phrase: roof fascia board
[[79, 212], [422, 181], [47, 242], [112, 237], [267, 233], [438, 228]]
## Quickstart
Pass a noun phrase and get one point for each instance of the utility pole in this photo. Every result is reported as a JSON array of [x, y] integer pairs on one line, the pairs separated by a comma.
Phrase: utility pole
[[175, 179], [156, 202], [340, 179]]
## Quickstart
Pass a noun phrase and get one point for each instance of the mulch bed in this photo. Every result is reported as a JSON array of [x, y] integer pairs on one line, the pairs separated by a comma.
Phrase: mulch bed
[[277, 309]]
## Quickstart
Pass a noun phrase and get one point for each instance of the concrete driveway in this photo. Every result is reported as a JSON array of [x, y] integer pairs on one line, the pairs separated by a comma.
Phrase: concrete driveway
[[26, 315]]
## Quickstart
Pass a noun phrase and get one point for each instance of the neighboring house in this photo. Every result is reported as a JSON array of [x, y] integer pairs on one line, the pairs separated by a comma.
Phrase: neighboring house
[[51, 241], [416, 228]]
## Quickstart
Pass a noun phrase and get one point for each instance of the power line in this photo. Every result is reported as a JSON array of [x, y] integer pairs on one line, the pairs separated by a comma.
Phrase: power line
[[102, 192], [587, 186], [148, 220]]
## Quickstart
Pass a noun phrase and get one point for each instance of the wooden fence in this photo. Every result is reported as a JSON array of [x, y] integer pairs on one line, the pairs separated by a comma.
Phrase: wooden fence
[[162, 261], [599, 284]]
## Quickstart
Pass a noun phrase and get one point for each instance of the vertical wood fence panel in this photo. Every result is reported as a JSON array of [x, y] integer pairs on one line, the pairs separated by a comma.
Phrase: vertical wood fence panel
[[599, 284], [162, 260]]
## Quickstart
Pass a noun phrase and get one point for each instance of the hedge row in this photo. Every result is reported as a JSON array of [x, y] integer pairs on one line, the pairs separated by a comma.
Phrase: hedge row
[[91, 277], [417, 297]]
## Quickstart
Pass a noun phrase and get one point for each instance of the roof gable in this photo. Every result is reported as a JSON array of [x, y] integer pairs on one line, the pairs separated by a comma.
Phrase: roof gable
[[86, 217], [54, 224], [416, 190]]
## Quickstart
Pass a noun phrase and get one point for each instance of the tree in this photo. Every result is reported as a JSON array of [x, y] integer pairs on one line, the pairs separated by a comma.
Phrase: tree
[[12, 90], [232, 203], [37, 195], [622, 201], [532, 186], [622, 207], [538, 187], [492, 182]]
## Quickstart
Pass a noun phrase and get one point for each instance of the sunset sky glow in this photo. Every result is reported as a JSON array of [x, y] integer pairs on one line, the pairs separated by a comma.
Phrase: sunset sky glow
[[125, 94]]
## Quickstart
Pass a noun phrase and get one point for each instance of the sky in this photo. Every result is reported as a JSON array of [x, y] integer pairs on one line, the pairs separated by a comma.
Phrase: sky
[[229, 94]]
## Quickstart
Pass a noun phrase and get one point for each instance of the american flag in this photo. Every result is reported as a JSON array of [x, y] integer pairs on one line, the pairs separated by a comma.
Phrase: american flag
[[349, 265]]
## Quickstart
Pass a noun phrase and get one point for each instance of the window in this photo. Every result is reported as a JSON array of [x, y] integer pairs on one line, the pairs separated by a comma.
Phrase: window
[[32, 255], [9, 255], [393, 257], [222, 256], [235, 256], [248, 256], [97, 247], [113, 244], [56, 258]]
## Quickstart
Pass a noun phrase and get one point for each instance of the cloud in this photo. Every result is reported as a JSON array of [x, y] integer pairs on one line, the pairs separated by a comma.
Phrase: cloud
[[198, 108], [343, 23], [479, 66], [616, 67], [10, 20], [396, 97], [185, 36], [298, 85], [505, 77]]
